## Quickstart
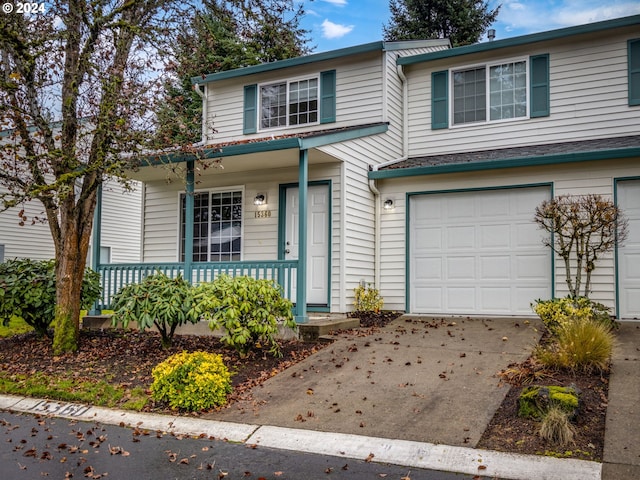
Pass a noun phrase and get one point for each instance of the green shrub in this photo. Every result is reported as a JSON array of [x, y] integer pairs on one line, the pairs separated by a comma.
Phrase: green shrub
[[581, 345], [556, 428], [246, 309], [158, 300], [28, 291], [559, 311], [536, 400], [367, 299], [192, 381]]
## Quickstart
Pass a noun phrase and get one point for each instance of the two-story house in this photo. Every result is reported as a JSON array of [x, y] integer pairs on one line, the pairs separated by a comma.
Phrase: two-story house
[[412, 166]]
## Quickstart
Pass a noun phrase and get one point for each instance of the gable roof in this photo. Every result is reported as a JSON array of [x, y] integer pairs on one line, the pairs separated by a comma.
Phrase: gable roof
[[531, 155], [522, 40], [379, 46]]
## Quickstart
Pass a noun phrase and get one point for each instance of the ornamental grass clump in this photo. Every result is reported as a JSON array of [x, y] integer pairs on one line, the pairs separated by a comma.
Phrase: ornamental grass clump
[[192, 381], [581, 345], [555, 428]]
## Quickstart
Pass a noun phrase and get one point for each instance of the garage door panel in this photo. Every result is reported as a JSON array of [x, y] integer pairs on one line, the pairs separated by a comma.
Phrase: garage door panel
[[629, 253], [492, 259], [461, 268], [428, 268], [461, 237], [534, 267], [495, 235], [462, 299], [427, 238], [495, 267], [496, 298], [429, 299]]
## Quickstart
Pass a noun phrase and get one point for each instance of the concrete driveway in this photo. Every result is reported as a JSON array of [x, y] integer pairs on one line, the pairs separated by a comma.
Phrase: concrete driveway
[[419, 378]]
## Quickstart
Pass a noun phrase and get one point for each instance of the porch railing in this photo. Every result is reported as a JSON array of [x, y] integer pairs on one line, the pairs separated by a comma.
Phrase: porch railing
[[114, 276]]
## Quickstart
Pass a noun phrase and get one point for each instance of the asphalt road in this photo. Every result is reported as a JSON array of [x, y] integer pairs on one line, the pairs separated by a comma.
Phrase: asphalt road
[[35, 447]]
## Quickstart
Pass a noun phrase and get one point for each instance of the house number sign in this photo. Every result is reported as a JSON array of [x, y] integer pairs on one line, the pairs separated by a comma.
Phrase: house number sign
[[263, 213]]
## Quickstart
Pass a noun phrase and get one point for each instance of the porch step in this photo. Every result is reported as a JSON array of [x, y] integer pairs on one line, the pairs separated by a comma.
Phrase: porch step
[[321, 325]]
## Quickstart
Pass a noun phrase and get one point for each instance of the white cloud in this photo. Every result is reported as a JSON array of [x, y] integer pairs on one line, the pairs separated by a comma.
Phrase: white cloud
[[527, 16], [332, 30], [340, 3]]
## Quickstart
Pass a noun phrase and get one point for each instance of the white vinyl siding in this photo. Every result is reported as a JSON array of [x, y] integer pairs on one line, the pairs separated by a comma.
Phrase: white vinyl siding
[[358, 94], [121, 220], [577, 179], [588, 99]]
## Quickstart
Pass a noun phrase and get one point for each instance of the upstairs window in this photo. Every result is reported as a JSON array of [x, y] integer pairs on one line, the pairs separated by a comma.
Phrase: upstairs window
[[303, 101], [494, 92], [289, 103]]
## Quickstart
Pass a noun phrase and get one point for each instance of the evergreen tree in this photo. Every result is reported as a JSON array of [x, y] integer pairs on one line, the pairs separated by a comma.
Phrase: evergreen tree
[[462, 21], [224, 35]]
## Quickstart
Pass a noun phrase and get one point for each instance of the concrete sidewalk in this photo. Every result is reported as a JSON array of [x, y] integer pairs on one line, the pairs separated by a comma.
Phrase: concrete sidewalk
[[419, 393]]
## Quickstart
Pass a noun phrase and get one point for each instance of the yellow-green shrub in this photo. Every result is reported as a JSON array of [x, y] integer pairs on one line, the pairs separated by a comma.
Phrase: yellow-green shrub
[[560, 311], [367, 299], [192, 381], [582, 345]]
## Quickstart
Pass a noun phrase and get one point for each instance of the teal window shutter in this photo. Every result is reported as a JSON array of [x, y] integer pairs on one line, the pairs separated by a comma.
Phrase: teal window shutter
[[539, 86], [439, 100], [633, 47], [250, 122], [328, 96]]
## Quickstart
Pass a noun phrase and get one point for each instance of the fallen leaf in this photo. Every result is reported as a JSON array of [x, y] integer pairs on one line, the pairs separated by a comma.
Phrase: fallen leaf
[[369, 458]]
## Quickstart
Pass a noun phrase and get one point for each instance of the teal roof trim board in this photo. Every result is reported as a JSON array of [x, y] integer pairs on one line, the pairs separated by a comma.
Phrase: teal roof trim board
[[303, 142], [506, 163], [290, 62], [522, 40]]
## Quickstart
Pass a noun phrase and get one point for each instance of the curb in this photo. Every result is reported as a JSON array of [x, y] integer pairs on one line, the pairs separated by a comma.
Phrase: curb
[[429, 456]]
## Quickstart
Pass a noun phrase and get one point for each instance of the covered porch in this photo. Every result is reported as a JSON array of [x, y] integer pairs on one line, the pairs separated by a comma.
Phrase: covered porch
[[245, 167]]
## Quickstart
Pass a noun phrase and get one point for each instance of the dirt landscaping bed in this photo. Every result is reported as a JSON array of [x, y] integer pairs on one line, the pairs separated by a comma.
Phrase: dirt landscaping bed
[[125, 360]]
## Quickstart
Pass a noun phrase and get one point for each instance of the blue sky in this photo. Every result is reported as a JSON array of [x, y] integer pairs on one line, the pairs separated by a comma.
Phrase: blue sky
[[343, 23]]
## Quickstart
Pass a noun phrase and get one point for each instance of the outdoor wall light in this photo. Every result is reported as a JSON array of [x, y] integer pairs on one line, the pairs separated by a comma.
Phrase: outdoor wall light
[[261, 199], [388, 204]]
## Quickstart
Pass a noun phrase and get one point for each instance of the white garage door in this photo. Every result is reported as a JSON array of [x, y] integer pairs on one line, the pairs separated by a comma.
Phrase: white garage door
[[629, 253], [477, 252]]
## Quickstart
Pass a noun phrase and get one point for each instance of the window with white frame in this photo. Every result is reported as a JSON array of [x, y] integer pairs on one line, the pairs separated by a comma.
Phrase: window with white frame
[[217, 226], [289, 103], [489, 92]]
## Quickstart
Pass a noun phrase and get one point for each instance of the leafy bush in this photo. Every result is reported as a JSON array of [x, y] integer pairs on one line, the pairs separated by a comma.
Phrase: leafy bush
[[158, 300], [192, 381], [367, 299], [560, 311], [246, 309], [581, 345], [28, 291], [556, 428]]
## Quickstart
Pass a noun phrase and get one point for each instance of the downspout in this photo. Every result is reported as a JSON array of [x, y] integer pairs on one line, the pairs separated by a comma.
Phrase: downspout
[[372, 183], [203, 95]]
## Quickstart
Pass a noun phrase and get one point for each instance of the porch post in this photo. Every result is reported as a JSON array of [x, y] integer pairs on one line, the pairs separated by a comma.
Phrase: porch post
[[95, 243], [301, 285], [188, 220]]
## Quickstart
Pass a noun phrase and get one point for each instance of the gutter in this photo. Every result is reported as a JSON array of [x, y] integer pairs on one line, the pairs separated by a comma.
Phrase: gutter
[[373, 184]]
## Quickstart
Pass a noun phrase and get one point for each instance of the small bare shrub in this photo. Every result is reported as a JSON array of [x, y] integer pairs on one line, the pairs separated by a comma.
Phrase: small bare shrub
[[556, 429]]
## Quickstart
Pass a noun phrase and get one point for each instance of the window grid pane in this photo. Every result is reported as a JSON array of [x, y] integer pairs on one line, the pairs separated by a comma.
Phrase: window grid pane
[[217, 226], [469, 92], [508, 90], [303, 102], [273, 101]]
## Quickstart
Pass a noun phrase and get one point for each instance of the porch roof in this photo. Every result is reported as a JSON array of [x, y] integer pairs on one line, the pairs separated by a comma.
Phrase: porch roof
[[531, 155], [298, 140]]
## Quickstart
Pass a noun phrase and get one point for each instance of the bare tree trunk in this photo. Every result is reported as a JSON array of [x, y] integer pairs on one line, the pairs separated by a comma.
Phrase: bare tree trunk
[[75, 233]]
